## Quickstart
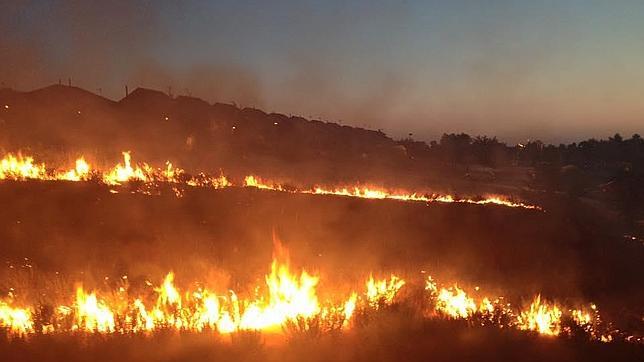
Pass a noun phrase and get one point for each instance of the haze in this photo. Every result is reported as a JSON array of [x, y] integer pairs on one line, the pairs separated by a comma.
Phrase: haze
[[554, 70]]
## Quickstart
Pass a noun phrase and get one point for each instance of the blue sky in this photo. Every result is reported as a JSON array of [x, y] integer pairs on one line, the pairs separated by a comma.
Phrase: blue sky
[[555, 70]]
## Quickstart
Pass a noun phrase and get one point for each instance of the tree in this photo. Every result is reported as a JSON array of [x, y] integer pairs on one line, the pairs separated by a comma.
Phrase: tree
[[486, 149], [456, 146]]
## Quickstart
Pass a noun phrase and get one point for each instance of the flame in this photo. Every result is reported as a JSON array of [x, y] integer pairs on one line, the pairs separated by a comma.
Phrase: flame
[[125, 172], [541, 317], [581, 317], [19, 167], [350, 307], [17, 320], [254, 181], [366, 192], [455, 303], [383, 291], [286, 296], [81, 172], [91, 314], [203, 180]]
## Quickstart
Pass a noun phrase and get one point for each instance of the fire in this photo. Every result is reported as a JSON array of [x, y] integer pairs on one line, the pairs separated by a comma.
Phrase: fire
[[548, 319], [286, 297], [541, 317], [91, 314], [81, 172], [254, 181], [366, 192], [581, 317], [289, 297], [203, 180], [350, 306], [17, 320], [125, 172], [455, 303], [19, 168], [383, 291], [168, 294]]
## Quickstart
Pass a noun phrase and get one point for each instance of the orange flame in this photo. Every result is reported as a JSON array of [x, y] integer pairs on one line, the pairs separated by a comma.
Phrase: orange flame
[[287, 296], [24, 168]]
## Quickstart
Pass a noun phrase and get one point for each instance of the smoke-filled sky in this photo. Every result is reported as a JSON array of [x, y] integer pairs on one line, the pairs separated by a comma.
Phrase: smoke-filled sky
[[552, 69]]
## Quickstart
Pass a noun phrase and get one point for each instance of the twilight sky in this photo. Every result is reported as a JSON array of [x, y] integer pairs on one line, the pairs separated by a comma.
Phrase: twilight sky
[[555, 70]]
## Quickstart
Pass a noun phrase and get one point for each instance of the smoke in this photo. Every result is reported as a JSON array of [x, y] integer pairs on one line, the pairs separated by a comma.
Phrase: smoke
[[86, 41], [104, 46], [314, 90], [226, 83]]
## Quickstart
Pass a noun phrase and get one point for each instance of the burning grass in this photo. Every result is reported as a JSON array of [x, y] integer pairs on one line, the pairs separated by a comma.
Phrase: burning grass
[[391, 317], [392, 333], [289, 303], [19, 167]]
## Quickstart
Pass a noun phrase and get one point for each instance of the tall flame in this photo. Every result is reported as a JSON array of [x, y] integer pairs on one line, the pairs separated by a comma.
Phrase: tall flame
[[286, 297], [91, 314], [541, 317]]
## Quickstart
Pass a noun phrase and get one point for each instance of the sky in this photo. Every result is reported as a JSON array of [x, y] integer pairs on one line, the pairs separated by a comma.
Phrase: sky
[[555, 70]]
